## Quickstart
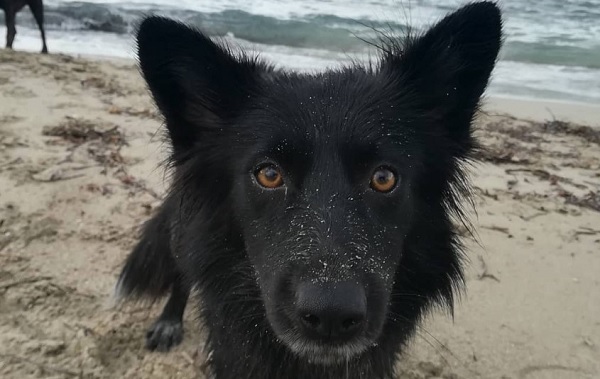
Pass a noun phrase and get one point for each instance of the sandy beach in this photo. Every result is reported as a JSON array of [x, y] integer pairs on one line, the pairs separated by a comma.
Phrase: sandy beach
[[80, 169]]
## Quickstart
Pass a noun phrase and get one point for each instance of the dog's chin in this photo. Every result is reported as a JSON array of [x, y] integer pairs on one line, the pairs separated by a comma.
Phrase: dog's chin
[[327, 354]]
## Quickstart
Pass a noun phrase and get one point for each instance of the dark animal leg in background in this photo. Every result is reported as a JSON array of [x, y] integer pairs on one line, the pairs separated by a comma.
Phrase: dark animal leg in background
[[11, 29], [37, 8], [167, 331]]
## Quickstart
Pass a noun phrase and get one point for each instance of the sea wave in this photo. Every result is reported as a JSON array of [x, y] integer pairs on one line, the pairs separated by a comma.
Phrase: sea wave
[[313, 31], [320, 31], [552, 47]]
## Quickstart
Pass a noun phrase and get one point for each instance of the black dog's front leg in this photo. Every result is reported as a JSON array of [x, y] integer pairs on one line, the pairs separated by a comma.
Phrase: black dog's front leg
[[167, 330]]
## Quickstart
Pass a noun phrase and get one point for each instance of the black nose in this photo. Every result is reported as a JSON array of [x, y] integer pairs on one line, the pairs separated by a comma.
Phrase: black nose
[[331, 311]]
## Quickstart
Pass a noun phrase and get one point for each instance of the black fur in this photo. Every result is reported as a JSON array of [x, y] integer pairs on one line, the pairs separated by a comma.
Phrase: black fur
[[252, 252]]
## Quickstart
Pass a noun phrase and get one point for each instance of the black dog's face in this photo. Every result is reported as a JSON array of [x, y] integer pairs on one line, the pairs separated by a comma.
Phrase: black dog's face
[[323, 196], [338, 184]]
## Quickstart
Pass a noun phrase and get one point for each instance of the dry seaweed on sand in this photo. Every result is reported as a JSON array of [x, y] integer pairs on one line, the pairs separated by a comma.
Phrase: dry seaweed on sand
[[588, 133], [107, 157], [78, 130], [591, 200], [130, 111], [506, 155], [108, 86]]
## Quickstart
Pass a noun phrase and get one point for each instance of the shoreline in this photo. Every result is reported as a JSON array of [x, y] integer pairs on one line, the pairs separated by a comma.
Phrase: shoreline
[[32, 40], [545, 109], [535, 109]]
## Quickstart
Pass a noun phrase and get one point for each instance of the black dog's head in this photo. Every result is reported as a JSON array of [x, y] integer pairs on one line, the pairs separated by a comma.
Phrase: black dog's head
[[339, 186]]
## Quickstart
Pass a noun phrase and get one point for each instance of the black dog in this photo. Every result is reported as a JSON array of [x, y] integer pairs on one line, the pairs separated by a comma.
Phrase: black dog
[[11, 7], [313, 213]]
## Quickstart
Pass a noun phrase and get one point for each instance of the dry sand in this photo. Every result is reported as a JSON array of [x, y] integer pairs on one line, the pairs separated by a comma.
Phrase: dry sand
[[79, 171]]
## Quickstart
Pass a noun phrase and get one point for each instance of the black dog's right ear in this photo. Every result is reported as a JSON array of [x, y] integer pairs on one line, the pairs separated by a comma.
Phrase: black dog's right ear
[[448, 68], [195, 83]]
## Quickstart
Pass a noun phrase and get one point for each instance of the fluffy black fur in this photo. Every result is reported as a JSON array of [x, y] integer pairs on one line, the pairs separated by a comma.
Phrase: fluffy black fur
[[259, 257]]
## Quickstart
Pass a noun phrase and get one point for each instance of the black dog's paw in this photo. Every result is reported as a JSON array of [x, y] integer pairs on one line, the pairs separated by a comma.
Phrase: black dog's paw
[[164, 335]]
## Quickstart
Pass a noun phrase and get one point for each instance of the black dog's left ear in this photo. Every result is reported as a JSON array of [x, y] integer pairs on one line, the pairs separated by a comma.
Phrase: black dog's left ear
[[448, 67]]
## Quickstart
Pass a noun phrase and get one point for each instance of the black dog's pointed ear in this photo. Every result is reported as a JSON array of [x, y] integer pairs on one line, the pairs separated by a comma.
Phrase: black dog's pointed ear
[[195, 82], [448, 67]]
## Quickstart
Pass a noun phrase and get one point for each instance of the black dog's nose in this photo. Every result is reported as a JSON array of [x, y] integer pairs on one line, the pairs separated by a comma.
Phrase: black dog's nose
[[331, 311]]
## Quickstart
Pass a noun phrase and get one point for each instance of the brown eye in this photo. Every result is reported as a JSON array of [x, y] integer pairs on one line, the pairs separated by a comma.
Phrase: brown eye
[[269, 177], [383, 180]]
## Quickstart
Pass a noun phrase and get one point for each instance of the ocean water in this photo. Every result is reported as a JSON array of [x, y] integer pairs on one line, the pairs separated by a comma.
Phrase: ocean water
[[552, 48]]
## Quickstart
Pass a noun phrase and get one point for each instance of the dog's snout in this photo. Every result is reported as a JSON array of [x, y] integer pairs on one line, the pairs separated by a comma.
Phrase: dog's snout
[[331, 311]]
